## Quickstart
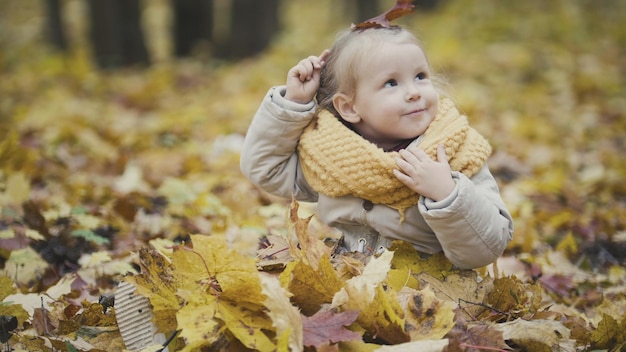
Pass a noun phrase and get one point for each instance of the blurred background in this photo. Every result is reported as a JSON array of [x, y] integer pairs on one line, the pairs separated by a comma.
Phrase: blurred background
[[103, 102]]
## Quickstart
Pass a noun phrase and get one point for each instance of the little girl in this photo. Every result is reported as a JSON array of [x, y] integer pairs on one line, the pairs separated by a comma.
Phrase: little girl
[[383, 155]]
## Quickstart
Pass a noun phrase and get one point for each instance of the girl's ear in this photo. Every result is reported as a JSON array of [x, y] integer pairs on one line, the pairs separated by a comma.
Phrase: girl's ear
[[344, 106]]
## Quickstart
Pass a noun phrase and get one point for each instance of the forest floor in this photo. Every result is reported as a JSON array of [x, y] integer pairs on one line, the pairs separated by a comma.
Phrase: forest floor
[[109, 177]]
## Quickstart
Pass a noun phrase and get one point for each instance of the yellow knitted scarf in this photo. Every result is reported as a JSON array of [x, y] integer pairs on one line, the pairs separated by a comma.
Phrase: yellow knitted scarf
[[337, 161]]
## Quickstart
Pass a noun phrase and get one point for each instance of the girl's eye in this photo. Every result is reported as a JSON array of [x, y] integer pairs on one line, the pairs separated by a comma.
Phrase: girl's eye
[[420, 76], [391, 83]]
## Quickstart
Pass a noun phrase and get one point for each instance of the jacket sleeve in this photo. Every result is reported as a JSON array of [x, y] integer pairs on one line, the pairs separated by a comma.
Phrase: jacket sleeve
[[473, 224], [268, 157]]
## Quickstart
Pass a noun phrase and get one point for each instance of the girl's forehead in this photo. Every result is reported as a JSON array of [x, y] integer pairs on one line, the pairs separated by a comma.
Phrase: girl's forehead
[[395, 52]]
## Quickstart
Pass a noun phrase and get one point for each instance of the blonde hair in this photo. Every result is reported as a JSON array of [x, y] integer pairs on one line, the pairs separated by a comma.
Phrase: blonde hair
[[350, 51]]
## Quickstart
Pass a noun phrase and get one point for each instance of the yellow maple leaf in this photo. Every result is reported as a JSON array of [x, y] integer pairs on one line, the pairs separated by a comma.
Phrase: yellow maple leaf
[[157, 282], [397, 279], [383, 317], [205, 317], [311, 248], [514, 297], [9, 307], [285, 275], [360, 290], [311, 288], [236, 275], [6, 287], [248, 323], [379, 311], [613, 306], [610, 332], [197, 322], [409, 259], [222, 292], [463, 288], [537, 335], [426, 317]]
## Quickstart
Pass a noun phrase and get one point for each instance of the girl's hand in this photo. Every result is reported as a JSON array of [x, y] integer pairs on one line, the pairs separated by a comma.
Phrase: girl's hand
[[303, 79], [432, 179]]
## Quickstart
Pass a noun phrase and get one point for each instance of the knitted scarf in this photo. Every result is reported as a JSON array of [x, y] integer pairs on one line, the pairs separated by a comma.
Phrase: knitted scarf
[[336, 161]]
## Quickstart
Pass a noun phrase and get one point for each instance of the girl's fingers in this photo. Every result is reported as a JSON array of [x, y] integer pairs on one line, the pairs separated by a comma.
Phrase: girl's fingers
[[323, 56], [309, 65], [303, 70], [406, 167], [410, 156], [441, 154], [418, 153]]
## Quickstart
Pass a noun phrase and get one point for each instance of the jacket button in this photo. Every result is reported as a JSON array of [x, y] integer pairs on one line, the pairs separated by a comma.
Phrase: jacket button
[[367, 205]]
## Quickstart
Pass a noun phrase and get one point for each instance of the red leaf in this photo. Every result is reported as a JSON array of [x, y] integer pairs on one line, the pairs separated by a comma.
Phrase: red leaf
[[562, 285], [44, 322], [401, 8], [328, 327]]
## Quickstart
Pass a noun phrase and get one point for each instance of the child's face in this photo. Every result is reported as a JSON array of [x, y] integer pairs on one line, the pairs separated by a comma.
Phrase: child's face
[[395, 99]]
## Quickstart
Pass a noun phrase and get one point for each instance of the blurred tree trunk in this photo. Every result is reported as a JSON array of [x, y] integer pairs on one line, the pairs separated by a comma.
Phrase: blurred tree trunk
[[425, 4], [54, 25], [116, 34], [366, 9], [252, 26], [193, 23]]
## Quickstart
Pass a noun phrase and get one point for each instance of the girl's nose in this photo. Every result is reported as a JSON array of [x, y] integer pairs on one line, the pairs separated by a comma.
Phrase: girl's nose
[[412, 92]]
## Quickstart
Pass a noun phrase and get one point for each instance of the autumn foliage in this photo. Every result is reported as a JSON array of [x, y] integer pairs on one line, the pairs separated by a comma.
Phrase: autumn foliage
[[132, 177]]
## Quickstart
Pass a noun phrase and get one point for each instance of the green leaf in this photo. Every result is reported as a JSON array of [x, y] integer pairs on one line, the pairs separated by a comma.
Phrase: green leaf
[[90, 236]]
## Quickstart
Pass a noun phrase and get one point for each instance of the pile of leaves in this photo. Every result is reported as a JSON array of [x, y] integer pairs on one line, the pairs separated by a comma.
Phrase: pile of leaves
[[133, 177]]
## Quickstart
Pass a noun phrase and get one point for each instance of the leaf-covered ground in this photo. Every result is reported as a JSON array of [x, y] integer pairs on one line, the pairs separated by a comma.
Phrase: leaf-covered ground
[[133, 176]]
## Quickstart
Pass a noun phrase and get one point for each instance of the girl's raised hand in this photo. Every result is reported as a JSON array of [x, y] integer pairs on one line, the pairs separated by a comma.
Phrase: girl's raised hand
[[430, 178], [303, 79]]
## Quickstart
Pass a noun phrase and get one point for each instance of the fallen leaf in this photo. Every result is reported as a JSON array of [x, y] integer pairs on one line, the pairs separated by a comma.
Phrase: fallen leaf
[[511, 296], [273, 253], [44, 322], [211, 259], [198, 324], [329, 327], [157, 282], [421, 346], [610, 333], [8, 323], [247, 323], [285, 317], [32, 301], [406, 258], [25, 265], [17, 189], [312, 248], [383, 317], [313, 288], [477, 333], [426, 317], [538, 335], [6, 287], [463, 288], [360, 290]]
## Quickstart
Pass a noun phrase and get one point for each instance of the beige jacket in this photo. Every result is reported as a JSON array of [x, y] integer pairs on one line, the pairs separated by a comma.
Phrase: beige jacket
[[472, 226]]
